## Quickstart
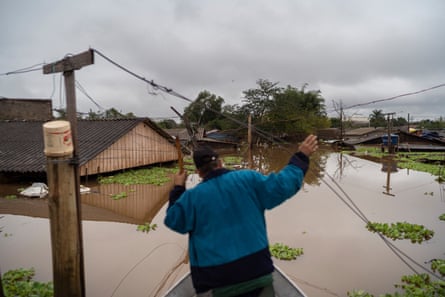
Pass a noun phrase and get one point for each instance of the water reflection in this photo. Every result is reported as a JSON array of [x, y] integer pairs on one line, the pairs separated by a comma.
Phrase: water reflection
[[339, 253]]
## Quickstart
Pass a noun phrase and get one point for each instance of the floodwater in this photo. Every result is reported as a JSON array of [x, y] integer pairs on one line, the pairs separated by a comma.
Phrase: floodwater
[[340, 254]]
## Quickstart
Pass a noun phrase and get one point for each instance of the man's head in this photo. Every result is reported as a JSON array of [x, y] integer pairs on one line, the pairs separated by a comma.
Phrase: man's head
[[205, 160]]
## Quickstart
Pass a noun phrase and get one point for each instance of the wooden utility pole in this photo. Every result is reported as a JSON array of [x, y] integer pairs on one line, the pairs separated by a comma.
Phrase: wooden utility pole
[[64, 192], [390, 146], [249, 141]]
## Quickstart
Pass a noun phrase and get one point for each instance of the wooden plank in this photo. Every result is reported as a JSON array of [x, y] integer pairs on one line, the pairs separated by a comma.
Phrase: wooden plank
[[70, 63]]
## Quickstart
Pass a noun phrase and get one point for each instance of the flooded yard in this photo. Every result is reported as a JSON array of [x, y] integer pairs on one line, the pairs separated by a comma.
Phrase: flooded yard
[[325, 219]]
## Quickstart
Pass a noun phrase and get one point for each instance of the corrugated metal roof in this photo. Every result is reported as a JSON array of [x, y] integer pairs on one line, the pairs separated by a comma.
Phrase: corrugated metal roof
[[21, 142]]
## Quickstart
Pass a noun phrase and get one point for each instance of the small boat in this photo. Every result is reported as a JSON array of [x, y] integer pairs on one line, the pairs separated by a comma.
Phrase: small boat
[[36, 190], [283, 286]]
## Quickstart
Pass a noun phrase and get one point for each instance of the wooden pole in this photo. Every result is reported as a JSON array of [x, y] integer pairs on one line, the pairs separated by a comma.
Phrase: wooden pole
[[64, 193], [249, 141], [180, 160]]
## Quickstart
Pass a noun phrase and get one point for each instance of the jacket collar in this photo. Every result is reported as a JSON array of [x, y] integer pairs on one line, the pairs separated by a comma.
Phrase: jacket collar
[[215, 173]]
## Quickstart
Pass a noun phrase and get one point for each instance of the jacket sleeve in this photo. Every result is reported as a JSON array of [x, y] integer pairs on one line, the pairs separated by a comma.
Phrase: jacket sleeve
[[180, 214], [175, 193], [276, 188]]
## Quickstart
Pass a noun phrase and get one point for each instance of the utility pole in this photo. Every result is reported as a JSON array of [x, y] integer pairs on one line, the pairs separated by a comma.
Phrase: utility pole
[[64, 192], [390, 146], [249, 141]]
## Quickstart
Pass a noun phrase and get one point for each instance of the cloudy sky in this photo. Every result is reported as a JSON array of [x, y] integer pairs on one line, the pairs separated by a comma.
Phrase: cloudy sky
[[353, 51]]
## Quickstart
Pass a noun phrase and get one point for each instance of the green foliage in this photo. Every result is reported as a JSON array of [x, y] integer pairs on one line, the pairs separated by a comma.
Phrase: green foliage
[[11, 197], [429, 124], [418, 285], [19, 282], [296, 111], [419, 161], [442, 217], [377, 118], [258, 101], [167, 124], [283, 252], [438, 265], [147, 227], [402, 230], [205, 111], [119, 196], [154, 175], [421, 285], [283, 111], [359, 293]]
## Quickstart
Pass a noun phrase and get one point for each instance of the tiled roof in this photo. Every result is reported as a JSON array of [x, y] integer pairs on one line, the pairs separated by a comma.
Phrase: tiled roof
[[21, 142]]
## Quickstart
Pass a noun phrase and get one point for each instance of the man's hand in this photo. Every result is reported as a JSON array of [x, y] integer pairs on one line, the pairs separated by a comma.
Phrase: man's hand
[[309, 145], [180, 178]]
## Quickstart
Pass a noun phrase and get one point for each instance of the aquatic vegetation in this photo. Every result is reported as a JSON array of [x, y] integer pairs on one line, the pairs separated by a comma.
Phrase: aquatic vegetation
[[284, 252], [359, 293], [19, 282], [147, 227], [119, 196], [442, 217], [154, 175], [439, 266], [11, 197], [417, 285], [402, 230], [431, 162]]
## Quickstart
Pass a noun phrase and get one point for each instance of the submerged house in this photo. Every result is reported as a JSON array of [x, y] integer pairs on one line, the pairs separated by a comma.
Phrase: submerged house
[[104, 146], [214, 139]]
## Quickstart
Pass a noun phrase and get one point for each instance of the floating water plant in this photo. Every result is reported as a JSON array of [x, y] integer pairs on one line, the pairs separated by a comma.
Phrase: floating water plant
[[19, 282], [11, 197], [439, 266], [119, 196], [359, 293], [417, 285], [147, 227], [284, 252], [402, 230], [442, 217], [154, 176]]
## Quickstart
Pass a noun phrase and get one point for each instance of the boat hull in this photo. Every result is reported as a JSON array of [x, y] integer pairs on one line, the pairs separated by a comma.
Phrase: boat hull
[[283, 286]]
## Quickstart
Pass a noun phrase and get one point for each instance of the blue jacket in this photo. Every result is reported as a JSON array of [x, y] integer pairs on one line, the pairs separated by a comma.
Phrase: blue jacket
[[224, 217]]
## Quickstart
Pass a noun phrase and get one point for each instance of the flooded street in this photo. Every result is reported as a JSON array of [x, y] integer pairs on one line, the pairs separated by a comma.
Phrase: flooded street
[[340, 254]]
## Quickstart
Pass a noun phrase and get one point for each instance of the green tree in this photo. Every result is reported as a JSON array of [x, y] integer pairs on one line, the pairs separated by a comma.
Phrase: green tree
[[429, 124], [205, 111], [377, 118], [295, 111], [258, 101], [167, 124], [399, 122]]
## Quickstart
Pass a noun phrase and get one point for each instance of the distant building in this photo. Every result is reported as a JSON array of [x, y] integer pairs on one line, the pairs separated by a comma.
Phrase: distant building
[[25, 109]]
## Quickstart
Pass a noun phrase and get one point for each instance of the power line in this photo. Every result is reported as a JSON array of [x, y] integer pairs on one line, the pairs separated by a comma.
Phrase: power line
[[35, 67], [82, 89], [395, 97]]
